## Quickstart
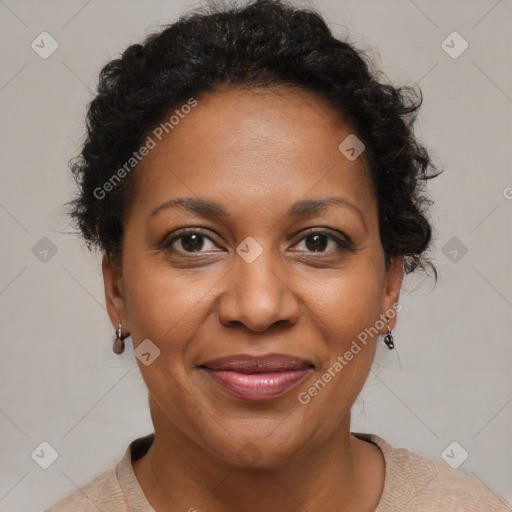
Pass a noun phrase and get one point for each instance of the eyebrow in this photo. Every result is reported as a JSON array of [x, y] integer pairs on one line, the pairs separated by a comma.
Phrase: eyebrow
[[303, 208]]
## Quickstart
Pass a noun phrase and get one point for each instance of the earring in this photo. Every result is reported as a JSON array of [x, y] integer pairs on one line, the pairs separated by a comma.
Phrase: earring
[[388, 339], [118, 347]]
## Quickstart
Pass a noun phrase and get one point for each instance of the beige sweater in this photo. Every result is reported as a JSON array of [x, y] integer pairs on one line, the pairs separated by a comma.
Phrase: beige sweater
[[412, 484]]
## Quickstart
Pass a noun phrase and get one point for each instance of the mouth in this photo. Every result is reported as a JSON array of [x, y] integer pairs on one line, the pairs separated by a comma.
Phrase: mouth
[[257, 378]]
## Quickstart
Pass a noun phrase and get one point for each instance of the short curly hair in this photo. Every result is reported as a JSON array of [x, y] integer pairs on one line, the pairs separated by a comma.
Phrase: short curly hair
[[259, 44]]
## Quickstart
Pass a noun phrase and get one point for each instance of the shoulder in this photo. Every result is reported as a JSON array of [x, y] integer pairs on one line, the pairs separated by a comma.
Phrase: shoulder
[[103, 493], [114, 490], [416, 483]]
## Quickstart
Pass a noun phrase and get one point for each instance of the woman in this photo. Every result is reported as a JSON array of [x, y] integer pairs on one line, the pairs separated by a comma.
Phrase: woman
[[258, 196]]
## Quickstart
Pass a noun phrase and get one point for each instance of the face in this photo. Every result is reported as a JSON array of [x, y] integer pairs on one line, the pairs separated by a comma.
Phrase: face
[[272, 248]]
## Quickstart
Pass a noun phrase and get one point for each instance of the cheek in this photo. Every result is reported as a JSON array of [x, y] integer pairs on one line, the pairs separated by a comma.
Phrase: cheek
[[347, 356], [164, 305], [344, 312], [166, 310], [347, 304]]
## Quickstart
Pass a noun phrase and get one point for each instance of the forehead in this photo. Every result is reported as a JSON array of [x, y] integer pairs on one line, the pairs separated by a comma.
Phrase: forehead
[[253, 147]]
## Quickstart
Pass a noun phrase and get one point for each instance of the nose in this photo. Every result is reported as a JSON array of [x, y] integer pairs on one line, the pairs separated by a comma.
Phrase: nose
[[258, 295]]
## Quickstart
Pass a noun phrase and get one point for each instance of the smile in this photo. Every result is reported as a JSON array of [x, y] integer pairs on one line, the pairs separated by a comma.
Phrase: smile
[[257, 377]]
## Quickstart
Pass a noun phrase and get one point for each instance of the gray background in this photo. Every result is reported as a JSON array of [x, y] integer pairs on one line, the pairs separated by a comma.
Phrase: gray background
[[59, 380]]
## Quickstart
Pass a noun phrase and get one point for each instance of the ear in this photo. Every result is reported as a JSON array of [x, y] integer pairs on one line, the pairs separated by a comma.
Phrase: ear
[[114, 293], [392, 286]]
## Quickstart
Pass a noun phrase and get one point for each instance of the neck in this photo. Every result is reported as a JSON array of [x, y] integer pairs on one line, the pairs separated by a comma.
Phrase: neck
[[342, 473]]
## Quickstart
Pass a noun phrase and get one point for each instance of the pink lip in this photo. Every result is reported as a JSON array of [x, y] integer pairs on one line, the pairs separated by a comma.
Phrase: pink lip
[[257, 377]]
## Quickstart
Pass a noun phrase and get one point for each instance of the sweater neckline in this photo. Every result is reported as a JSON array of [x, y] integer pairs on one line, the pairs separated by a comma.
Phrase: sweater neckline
[[136, 500]]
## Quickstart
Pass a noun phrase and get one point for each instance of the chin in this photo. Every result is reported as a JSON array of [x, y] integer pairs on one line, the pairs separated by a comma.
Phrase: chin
[[259, 449]]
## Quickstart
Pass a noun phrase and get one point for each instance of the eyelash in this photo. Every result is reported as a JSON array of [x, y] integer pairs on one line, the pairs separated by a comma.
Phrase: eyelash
[[343, 245]]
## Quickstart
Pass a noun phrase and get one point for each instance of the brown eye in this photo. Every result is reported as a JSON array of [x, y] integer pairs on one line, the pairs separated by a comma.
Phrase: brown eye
[[317, 243], [189, 242], [192, 243], [324, 241]]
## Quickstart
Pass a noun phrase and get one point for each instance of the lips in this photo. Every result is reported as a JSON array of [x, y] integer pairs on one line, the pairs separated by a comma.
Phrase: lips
[[257, 377], [245, 363]]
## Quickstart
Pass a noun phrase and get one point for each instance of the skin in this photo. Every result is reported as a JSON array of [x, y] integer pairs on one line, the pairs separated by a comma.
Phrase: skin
[[256, 152]]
